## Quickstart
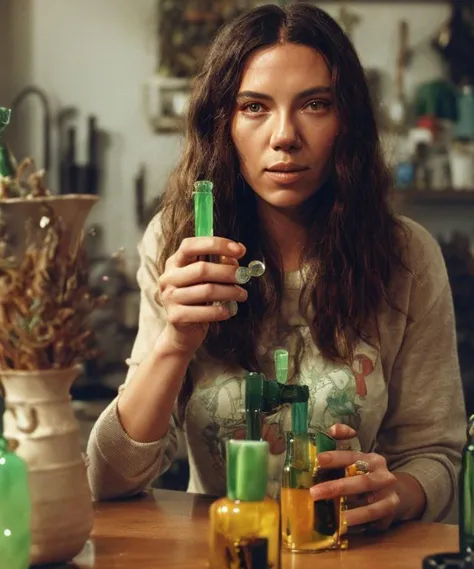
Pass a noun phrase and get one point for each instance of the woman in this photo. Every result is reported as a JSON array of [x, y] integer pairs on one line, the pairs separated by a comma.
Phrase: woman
[[281, 121]]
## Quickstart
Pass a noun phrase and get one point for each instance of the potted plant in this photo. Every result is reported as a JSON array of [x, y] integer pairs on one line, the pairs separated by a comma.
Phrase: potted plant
[[45, 302]]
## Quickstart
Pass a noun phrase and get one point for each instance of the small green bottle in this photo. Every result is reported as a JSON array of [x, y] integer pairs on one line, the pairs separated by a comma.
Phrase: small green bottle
[[466, 494], [15, 506]]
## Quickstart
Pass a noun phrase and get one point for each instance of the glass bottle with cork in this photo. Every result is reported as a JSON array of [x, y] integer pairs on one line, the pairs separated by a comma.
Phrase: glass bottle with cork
[[306, 525]]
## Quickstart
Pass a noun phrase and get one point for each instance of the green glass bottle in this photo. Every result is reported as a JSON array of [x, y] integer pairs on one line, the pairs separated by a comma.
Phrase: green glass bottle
[[7, 162], [245, 525], [15, 507], [466, 493]]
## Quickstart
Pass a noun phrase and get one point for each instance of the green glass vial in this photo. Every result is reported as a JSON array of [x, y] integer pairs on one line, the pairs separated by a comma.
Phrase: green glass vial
[[203, 209], [15, 507], [466, 493], [245, 525]]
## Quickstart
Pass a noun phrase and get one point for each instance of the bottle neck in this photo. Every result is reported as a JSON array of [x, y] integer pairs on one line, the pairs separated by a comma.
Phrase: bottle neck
[[253, 424], [254, 397], [299, 417], [298, 450]]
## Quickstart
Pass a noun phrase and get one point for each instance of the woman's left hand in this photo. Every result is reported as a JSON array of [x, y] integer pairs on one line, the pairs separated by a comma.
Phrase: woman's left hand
[[376, 490]]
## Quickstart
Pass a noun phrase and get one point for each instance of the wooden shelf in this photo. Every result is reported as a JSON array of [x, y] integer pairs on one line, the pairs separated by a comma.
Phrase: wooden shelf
[[445, 197]]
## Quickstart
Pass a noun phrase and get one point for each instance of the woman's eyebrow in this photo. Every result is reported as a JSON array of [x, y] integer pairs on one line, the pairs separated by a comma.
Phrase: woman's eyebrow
[[323, 89]]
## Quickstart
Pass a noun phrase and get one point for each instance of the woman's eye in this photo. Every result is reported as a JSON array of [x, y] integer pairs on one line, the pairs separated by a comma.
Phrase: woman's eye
[[253, 107], [319, 105]]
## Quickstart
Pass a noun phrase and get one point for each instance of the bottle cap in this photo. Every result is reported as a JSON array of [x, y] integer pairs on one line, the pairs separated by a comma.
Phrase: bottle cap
[[204, 186], [247, 470]]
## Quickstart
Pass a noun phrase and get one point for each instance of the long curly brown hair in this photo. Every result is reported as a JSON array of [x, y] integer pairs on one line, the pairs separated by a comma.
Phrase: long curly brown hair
[[353, 244]]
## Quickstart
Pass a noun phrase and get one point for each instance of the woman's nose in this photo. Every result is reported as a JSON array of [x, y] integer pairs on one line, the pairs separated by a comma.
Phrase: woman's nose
[[285, 135]]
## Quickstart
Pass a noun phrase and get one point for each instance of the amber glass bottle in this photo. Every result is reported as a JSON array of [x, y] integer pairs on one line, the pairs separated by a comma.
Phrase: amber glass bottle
[[308, 525], [245, 525]]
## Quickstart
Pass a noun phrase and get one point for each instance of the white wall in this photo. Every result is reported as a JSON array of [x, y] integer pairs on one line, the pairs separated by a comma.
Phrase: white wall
[[16, 59], [4, 72], [97, 55], [376, 37]]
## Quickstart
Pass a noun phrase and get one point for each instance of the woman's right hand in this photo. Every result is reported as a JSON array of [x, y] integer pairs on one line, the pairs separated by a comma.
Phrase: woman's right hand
[[189, 286]]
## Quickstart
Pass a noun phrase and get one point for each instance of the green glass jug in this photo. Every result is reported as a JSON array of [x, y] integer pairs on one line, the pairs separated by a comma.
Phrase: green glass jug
[[15, 506]]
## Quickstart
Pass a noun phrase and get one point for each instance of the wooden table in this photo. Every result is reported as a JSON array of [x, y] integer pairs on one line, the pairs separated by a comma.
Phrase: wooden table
[[170, 529]]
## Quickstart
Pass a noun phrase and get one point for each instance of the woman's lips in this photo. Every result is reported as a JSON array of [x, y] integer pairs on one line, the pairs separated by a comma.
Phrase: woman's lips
[[283, 178]]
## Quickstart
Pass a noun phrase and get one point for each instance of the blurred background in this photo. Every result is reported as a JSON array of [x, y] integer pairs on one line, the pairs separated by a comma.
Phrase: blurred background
[[99, 89]]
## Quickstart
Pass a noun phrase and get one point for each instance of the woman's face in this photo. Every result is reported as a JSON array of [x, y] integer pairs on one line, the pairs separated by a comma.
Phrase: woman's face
[[284, 124]]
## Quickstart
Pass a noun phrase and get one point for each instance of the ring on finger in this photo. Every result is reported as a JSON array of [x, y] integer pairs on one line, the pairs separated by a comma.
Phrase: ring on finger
[[362, 467], [359, 467]]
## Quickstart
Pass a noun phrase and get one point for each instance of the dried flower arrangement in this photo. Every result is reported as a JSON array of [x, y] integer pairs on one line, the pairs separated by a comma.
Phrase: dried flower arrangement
[[44, 305], [45, 300]]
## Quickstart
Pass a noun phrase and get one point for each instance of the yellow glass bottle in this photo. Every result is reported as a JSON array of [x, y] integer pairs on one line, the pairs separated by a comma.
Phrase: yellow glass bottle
[[245, 525], [308, 525]]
